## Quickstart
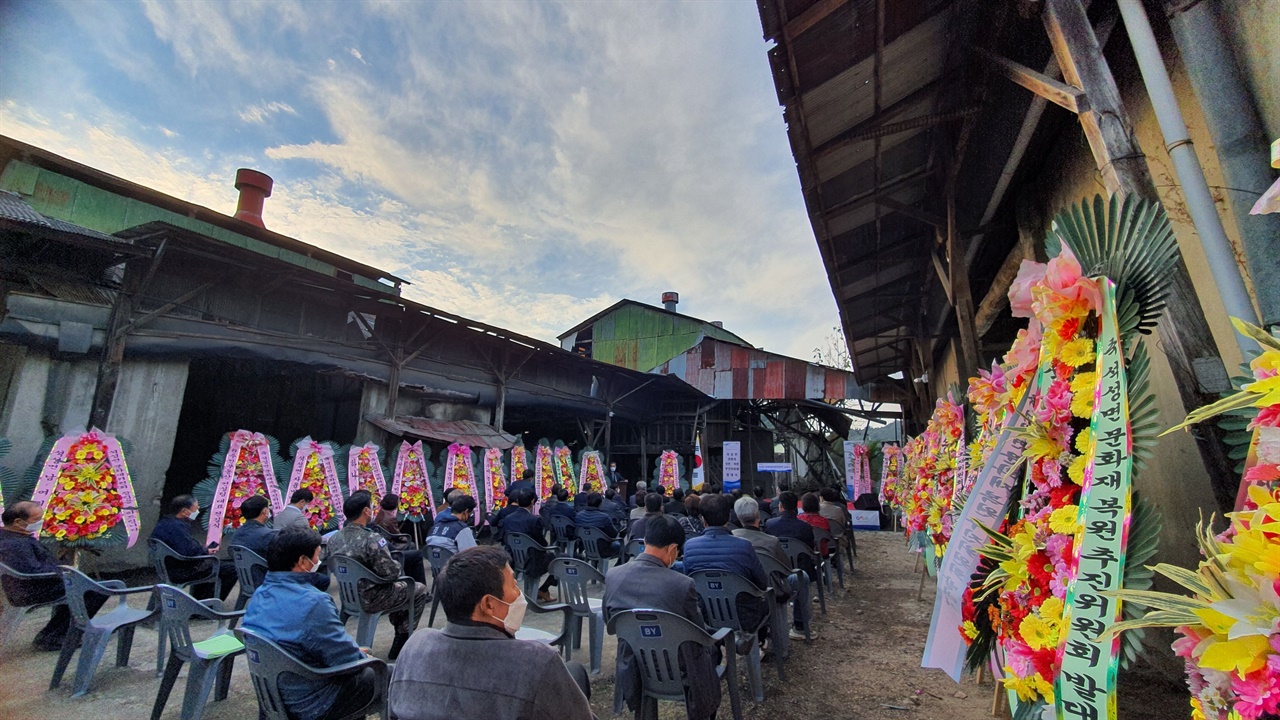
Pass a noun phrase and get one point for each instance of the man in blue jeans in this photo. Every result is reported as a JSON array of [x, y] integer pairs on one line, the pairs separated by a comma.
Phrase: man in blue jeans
[[290, 611]]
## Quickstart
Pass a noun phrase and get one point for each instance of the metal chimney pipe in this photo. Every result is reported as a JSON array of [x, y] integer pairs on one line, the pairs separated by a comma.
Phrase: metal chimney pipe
[[670, 300], [255, 188]]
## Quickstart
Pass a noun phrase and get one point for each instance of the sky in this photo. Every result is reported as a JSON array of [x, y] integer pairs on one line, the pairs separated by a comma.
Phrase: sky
[[522, 164]]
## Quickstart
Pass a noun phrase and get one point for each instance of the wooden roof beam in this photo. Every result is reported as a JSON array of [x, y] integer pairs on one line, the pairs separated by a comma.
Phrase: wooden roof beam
[[1056, 92], [868, 285], [902, 181], [997, 296], [814, 15], [911, 211]]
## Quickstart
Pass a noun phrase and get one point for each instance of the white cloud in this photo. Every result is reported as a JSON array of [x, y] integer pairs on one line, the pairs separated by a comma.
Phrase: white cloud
[[259, 113], [356, 54]]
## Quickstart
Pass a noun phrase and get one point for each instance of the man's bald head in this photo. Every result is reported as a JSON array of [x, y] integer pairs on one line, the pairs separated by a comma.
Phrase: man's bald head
[[24, 512]]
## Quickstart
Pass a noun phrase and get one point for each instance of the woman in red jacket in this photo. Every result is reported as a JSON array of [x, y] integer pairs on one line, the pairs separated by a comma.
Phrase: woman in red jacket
[[810, 505]]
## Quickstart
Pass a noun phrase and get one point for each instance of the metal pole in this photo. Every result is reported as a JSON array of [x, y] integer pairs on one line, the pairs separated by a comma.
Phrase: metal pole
[[1195, 189]]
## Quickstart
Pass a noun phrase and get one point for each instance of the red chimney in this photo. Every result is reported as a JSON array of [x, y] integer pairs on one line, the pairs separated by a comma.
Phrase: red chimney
[[255, 188]]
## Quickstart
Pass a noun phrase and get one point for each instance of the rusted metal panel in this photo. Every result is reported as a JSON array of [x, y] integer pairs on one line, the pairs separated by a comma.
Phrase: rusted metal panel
[[774, 381], [815, 382], [796, 373], [741, 382], [835, 387], [723, 384]]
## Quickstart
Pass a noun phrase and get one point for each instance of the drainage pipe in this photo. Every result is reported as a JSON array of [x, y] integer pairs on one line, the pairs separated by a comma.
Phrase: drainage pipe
[[1195, 189]]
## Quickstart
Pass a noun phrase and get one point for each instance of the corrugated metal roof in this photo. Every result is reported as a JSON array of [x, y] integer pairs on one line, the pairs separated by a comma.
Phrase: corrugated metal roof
[[14, 209], [461, 431]]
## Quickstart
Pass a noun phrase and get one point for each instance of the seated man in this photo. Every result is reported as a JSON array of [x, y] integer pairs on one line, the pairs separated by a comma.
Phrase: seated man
[[766, 508], [175, 530], [718, 549], [674, 506], [522, 521], [386, 519], [368, 548], [810, 505], [290, 611], [611, 507], [387, 516], [592, 516], [525, 481], [253, 533], [648, 582], [294, 514], [20, 550], [652, 509], [638, 510], [452, 530], [836, 512], [474, 667], [637, 499], [788, 525], [793, 586]]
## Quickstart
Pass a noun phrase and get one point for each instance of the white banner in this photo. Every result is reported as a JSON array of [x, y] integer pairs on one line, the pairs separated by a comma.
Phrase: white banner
[[732, 465], [850, 469]]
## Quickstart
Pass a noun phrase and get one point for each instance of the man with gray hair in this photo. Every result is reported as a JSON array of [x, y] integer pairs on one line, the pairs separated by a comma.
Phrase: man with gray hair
[[637, 500], [748, 512]]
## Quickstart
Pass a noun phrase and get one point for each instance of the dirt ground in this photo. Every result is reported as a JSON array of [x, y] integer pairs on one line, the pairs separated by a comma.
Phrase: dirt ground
[[864, 664]]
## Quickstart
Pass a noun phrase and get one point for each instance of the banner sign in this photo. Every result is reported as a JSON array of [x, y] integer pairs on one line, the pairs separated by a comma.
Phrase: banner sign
[[1086, 685], [256, 469], [773, 467], [861, 471], [945, 649], [322, 476], [412, 482], [364, 471], [732, 465]]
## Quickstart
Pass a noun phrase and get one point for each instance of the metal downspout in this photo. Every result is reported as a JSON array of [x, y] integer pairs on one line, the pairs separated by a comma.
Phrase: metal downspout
[[1195, 189], [1239, 137]]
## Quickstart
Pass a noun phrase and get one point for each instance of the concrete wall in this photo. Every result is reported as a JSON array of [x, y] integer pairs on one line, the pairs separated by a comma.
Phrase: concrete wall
[[1254, 29], [45, 396], [145, 412]]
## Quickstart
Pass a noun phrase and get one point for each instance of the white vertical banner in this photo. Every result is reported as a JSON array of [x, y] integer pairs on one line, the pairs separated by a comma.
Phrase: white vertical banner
[[732, 465], [850, 468]]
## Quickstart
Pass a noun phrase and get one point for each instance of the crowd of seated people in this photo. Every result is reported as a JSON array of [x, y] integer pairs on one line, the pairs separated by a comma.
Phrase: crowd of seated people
[[483, 604]]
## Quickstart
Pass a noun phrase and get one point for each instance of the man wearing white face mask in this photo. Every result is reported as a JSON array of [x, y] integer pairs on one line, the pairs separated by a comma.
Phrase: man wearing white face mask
[[20, 550], [175, 530], [474, 667]]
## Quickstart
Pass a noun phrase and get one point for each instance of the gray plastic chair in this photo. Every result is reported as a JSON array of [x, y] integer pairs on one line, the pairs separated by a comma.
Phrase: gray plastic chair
[[210, 660], [521, 547], [778, 574], [833, 551], [561, 641], [349, 572], [798, 552], [589, 539], [162, 555], [436, 558], [632, 549], [14, 613], [575, 576], [268, 661], [562, 531], [719, 592], [251, 568], [655, 636], [91, 634]]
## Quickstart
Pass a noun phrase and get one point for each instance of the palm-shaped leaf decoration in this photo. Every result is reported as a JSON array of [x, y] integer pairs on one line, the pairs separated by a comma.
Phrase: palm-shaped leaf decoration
[[1128, 240]]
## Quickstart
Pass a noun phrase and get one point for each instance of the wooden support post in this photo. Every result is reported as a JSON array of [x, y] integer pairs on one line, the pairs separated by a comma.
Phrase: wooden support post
[[393, 387], [961, 296], [924, 573], [1184, 333], [500, 406], [126, 301]]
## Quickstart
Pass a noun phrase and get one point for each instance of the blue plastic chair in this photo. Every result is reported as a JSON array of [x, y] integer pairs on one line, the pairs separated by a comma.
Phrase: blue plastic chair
[[522, 547], [632, 549], [589, 539], [799, 553], [719, 592], [436, 558], [14, 613], [268, 661], [210, 660], [833, 553], [563, 533], [349, 572], [161, 556], [251, 568], [91, 634], [655, 637], [574, 576]]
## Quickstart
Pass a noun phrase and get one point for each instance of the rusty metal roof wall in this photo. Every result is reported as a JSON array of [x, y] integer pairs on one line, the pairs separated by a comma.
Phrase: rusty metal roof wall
[[461, 431], [873, 93]]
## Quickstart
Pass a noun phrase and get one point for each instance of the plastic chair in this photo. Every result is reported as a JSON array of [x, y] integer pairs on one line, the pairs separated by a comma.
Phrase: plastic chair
[[161, 555], [820, 535], [14, 613], [799, 552], [562, 532], [436, 558], [778, 574], [719, 592], [655, 636], [632, 549], [521, 547], [574, 576], [268, 661], [210, 659], [561, 641], [589, 539], [91, 634], [247, 562], [350, 573]]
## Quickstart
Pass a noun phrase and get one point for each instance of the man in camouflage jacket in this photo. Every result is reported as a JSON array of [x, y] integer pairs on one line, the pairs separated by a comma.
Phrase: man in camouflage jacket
[[358, 542]]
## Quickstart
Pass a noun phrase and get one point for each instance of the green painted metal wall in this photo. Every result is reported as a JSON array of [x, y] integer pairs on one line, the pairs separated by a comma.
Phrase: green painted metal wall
[[642, 338], [64, 198]]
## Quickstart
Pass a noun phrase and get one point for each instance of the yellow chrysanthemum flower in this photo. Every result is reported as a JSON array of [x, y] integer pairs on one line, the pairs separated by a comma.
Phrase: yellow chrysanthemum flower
[[1082, 387], [1075, 470], [1051, 611], [1078, 352], [969, 629], [1063, 520], [1037, 633], [1082, 440]]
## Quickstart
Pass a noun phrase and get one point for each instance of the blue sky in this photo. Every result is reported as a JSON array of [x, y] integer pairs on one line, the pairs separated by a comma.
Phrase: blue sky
[[524, 164]]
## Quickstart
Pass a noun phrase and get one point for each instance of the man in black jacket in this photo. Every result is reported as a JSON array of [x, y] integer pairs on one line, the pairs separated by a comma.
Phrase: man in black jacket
[[20, 550], [174, 530]]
